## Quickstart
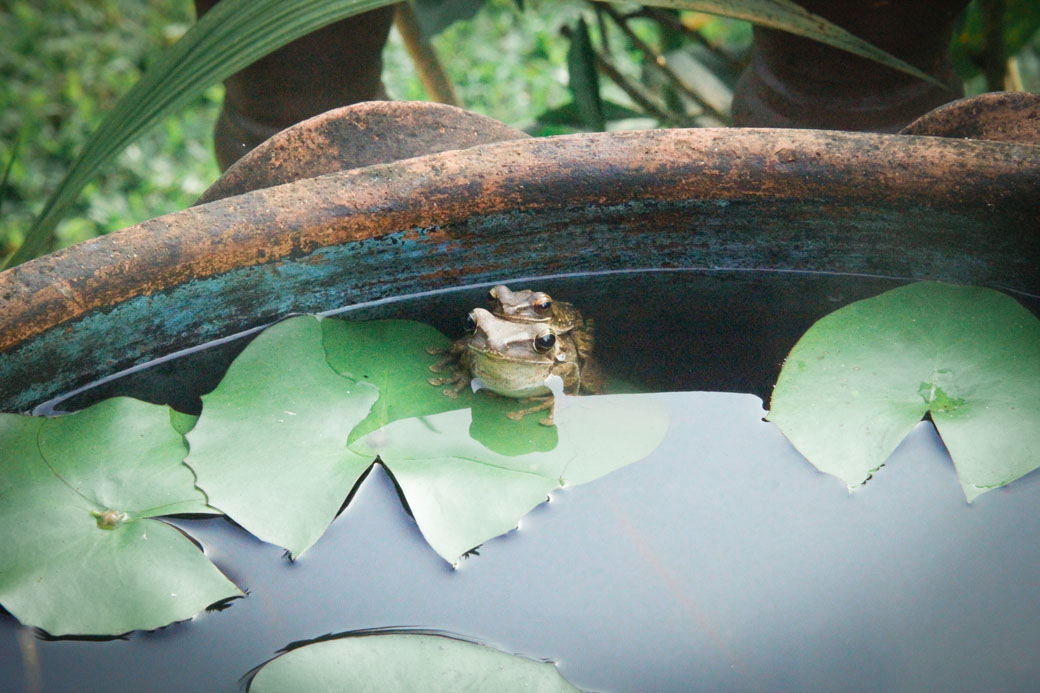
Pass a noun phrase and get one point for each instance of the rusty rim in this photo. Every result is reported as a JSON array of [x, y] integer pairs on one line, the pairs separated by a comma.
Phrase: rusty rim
[[918, 207], [364, 134], [999, 117]]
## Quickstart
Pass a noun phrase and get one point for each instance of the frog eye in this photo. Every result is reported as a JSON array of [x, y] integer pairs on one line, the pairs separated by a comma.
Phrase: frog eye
[[471, 323], [541, 303], [544, 342]]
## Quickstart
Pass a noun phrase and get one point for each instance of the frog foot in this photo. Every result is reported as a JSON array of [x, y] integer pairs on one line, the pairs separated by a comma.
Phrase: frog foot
[[546, 403], [453, 392], [458, 381], [450, 358]]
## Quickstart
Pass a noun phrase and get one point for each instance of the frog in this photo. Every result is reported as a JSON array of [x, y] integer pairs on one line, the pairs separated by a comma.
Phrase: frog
[[537, 306], [527, 306], [514, 358]]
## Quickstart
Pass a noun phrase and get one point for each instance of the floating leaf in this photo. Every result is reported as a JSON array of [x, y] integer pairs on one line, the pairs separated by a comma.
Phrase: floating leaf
[[81, 555], [182, 423], [862, 377], [462, 493], [270, 447], [404, 662], [492, 427], [392, 356], [465, 478]]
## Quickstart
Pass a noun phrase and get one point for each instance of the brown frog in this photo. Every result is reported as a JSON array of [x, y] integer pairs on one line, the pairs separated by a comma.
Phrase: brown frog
[[537, 306], [527, 306], [513, 359]]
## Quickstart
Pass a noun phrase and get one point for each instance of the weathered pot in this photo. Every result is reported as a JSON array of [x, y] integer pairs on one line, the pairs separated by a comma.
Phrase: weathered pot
[[917, 207]]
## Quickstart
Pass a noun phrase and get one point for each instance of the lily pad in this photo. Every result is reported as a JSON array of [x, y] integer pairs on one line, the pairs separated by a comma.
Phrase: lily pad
[[391, 355], [405, 662], [462, 493], [270, 449], [81, 554], [862, 377]]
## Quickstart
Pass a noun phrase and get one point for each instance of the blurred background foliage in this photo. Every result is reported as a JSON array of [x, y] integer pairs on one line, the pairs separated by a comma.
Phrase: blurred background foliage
[[546, 67]]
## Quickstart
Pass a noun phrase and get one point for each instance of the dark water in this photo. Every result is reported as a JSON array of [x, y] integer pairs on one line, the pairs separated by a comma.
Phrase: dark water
[[722, 562], [725, 331]]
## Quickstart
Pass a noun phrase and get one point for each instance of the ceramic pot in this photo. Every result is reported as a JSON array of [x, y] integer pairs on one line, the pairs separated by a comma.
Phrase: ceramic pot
[[917, 207]]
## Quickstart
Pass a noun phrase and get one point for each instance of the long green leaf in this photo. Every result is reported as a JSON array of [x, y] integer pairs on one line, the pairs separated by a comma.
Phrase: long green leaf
[[792, 18], [228, 38], [236, 33]]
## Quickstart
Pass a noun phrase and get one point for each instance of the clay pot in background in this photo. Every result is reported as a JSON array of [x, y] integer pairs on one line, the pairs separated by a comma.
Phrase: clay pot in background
[[795, 82]]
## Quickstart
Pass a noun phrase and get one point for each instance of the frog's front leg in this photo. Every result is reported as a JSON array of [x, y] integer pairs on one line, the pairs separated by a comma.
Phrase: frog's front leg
[[451, 355], [460, 378]]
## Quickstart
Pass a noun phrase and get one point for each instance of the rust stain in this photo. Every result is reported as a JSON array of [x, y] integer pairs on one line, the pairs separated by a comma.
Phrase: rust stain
[[998, 117], [429, 198]]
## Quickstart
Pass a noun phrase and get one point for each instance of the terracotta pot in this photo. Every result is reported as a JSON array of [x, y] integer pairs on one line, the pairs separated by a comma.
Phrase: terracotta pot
[[339, 64], [795, 82], [905, 206]]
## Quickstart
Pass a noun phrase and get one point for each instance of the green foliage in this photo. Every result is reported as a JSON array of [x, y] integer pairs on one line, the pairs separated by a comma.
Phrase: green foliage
[[396, 661], [237, 32], [359, 350], [231, 36], [82, 554], [69, 62], [434, 16], [583, 78], [505, 64], [862, 377], [271, 446], [67, 65], [1020, 21]]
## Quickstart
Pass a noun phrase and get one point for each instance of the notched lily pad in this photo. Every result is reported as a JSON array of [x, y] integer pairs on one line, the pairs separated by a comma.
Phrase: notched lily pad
[[271, 447], [81, 554], [862, 377], [391, 355], [404, 661], [463, 493]]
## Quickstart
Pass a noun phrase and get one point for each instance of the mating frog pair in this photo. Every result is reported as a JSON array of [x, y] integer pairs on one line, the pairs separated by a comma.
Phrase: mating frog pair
[[521, 341]]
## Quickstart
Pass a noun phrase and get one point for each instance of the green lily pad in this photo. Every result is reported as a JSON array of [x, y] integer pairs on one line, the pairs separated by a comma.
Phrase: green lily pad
[[270, 449], [465, 479], [181, 422], [391, 354], [81, 555], [463, 493], [862, 377], [493, 428], [404, 662]]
